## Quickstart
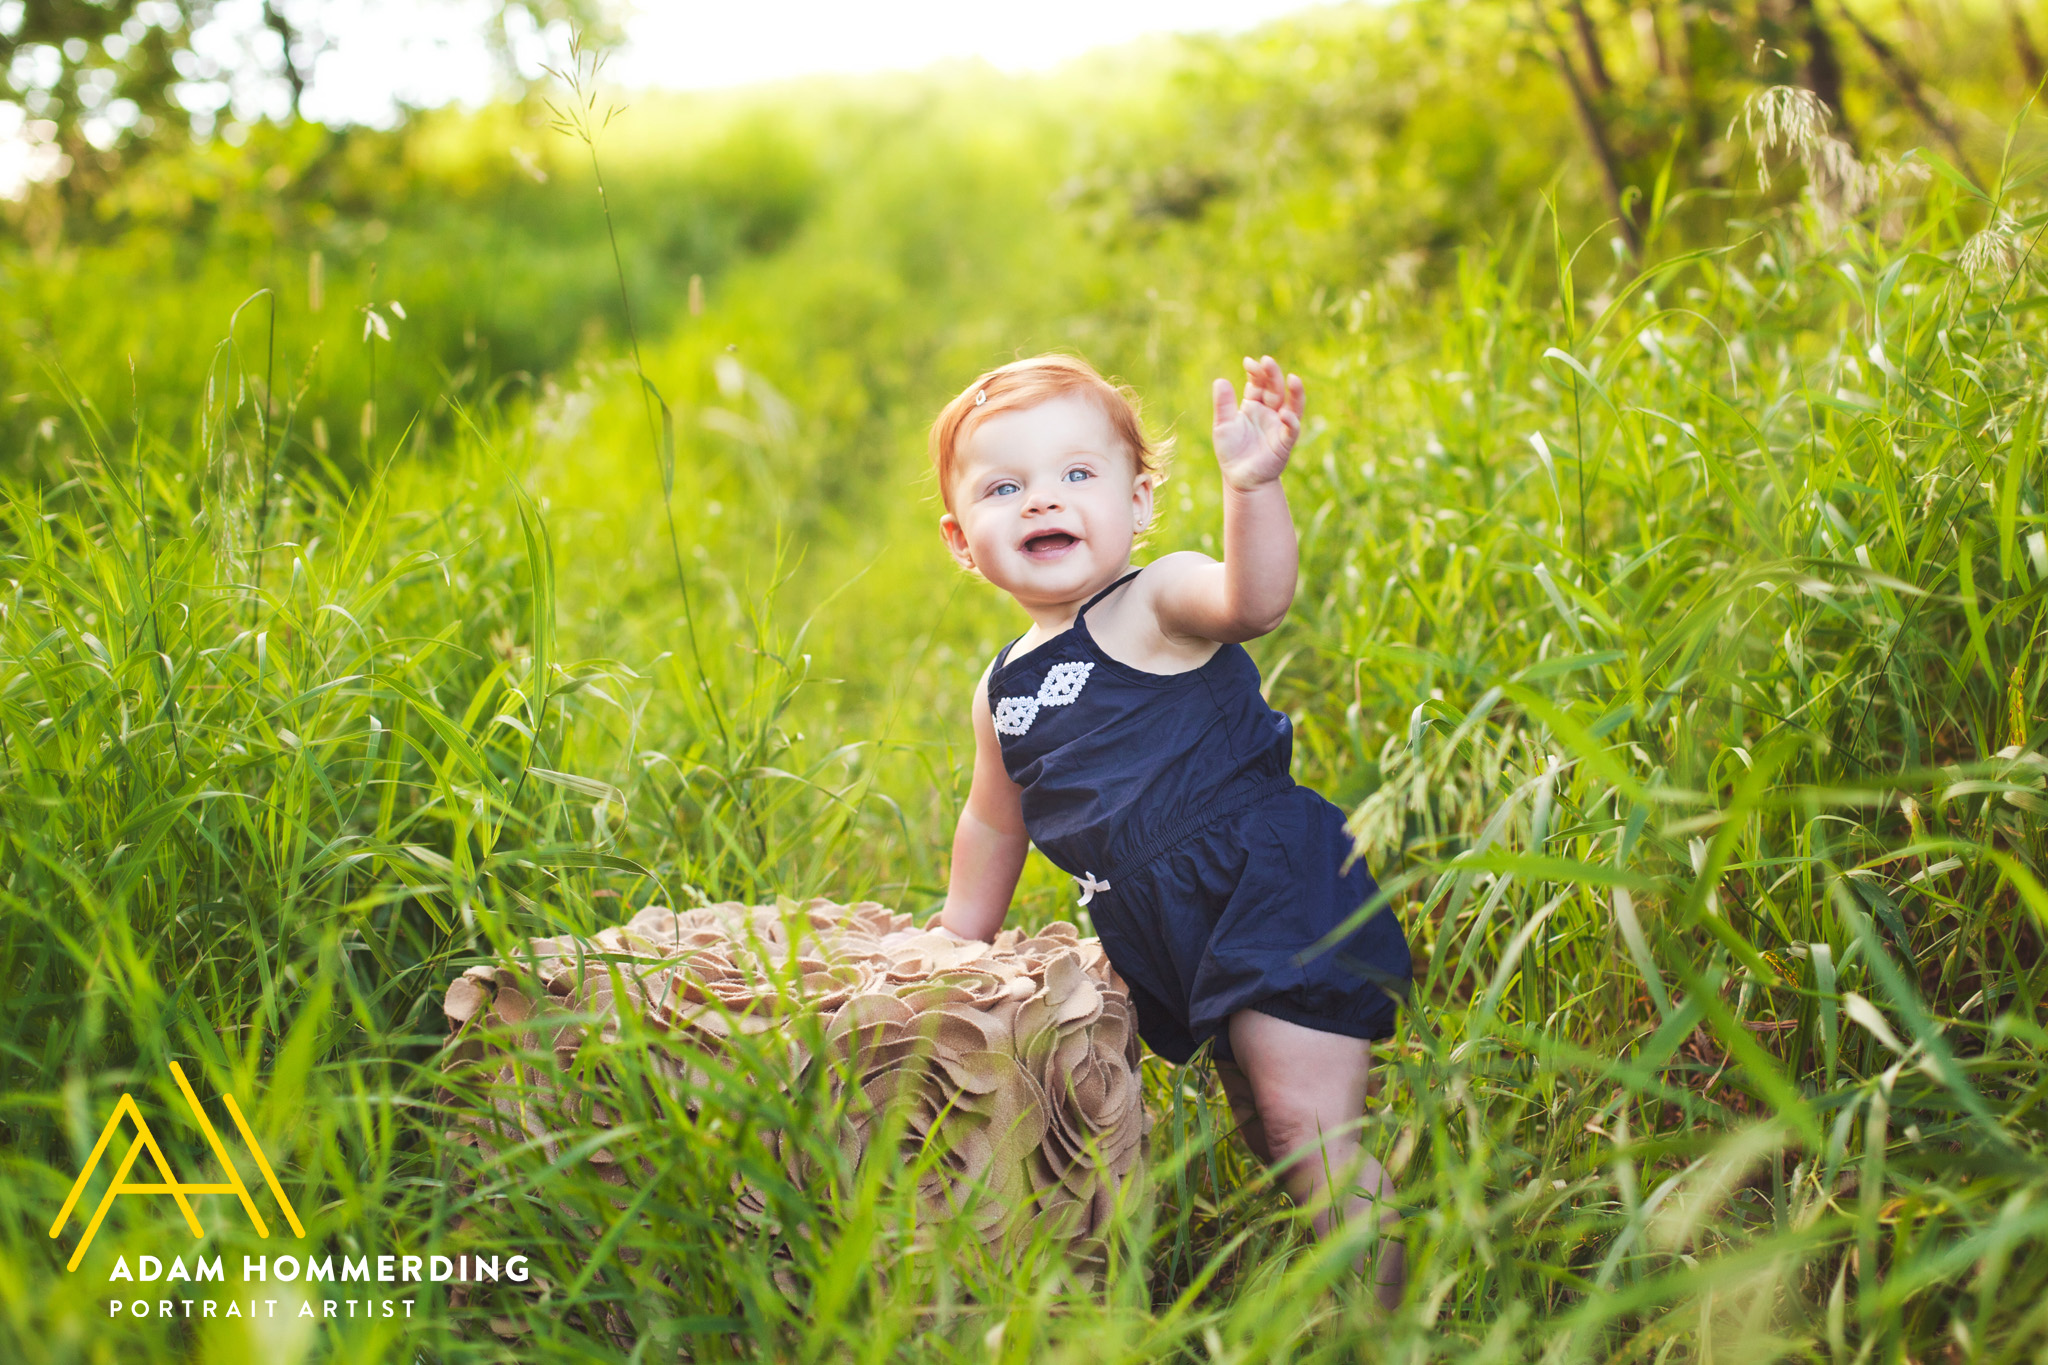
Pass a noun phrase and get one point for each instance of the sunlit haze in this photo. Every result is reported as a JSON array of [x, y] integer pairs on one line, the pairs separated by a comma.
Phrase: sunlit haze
[[386, 51], [366, 61]]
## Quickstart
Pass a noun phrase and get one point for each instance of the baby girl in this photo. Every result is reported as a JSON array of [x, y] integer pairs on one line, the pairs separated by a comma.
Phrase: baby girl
[[1124, 734]]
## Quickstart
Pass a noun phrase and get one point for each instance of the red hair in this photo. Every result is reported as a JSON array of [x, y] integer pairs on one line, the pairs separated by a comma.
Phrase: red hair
[[1025, 384]]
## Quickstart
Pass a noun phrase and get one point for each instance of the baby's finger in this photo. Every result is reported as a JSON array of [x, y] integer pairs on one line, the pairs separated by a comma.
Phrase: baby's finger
[[1297, 396], [1225, 400], [1272, 383], [1276, 382], [1258, 383]]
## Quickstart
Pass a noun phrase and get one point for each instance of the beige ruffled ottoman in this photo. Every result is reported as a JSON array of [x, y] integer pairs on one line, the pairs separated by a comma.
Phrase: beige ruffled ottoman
[[1010, 1069]]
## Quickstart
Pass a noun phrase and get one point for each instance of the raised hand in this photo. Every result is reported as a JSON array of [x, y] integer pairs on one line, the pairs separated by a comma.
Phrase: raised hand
[[1254, 440]]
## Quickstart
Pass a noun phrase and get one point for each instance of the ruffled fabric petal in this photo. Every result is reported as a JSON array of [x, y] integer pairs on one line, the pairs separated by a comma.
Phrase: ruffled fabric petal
[[1008, 1071]]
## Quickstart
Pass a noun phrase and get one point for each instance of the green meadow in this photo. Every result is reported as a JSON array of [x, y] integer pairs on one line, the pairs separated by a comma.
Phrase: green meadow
[[406, 551]]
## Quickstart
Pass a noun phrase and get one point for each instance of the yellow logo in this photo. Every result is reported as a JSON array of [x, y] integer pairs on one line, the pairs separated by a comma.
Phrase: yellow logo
[[171, 1185]]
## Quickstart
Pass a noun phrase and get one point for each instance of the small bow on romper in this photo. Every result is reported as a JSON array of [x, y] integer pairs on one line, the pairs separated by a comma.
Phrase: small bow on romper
[[1210, 874]]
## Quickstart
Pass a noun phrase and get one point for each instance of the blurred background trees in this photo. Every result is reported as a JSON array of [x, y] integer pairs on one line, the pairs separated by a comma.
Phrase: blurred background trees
[[94, 85], [164, 152]]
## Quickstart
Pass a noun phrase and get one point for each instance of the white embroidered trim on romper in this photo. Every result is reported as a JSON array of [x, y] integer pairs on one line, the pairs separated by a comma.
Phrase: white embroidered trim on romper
[[1062, 684]]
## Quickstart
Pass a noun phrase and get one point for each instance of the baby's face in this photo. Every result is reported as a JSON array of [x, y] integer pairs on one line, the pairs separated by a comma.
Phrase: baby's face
[[1047, 502]]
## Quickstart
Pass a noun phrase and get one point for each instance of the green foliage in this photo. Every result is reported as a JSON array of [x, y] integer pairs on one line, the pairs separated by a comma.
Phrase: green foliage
[[1675, 634], [99, 90], [333, 222]]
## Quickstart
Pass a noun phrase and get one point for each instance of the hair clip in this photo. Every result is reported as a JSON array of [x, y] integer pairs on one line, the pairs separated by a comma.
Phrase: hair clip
[[980, 397]]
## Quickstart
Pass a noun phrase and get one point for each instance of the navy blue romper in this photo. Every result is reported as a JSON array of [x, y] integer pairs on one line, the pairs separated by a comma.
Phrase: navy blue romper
[[1209, 872]]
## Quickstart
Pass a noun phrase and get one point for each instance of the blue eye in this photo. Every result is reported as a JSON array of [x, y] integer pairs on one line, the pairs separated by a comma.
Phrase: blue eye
[[1076, 475], [1004, 489]]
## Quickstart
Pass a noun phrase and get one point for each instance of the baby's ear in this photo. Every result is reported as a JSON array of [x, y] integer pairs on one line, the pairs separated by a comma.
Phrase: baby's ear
[[956, 541]]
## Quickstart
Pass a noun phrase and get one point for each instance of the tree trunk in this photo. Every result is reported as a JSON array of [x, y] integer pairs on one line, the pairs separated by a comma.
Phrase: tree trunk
[[2023, 45], [1823, 68], [1699, 105], [1910, 87], [1594, 128], [1589, 43]]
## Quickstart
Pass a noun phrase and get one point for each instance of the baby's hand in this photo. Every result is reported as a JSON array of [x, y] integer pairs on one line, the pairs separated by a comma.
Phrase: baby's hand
[[1253, 441]]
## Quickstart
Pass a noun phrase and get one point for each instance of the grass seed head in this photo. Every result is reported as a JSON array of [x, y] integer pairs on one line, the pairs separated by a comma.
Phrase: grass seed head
[[1841, 184], [1993, 252], [1790, 117]]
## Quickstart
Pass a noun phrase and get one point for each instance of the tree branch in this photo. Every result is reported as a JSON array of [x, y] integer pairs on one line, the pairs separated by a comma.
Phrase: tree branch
[[1594, 128], [1909, 86], [278, 24], [2023, 44], [1823, 68], [1589, 43]]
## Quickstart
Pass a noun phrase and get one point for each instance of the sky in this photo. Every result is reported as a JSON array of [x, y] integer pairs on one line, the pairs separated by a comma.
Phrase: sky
[[428, 54], [367, 59], [695, 46]]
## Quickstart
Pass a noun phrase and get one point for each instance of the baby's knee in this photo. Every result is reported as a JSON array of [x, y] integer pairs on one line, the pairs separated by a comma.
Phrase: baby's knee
[[1292, 1125]]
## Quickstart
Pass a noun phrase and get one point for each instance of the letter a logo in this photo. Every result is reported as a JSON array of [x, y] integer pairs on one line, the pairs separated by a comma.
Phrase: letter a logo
[[170, 1184]]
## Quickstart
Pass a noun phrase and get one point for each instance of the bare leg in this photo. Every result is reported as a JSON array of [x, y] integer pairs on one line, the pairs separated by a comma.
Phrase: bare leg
[[1238, 1090], [1308, 1090]]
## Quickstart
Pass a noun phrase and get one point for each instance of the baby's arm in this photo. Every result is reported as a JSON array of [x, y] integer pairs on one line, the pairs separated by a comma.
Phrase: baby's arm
[[1249, 592], [989, 843]]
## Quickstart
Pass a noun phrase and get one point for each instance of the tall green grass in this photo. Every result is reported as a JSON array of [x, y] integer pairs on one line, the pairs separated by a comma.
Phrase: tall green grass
[[1675, 635]]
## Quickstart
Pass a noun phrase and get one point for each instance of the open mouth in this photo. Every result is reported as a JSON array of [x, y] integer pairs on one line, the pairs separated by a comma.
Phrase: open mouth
[[1048, 542]]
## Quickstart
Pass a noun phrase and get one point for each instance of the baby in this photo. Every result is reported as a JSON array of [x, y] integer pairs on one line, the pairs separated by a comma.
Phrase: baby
[[1124, 735]]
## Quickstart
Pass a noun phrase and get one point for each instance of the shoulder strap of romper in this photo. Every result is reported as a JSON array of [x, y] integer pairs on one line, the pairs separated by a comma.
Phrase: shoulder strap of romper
[[1105, 592], [1003, 654]]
